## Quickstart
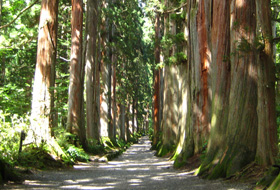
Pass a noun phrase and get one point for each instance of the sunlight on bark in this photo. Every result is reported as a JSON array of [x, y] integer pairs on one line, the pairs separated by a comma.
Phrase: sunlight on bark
[[41, 94], [240, 3]]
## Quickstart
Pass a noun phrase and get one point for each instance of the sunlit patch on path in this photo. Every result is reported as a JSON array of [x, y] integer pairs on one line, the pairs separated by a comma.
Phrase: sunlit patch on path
[[137, 168]]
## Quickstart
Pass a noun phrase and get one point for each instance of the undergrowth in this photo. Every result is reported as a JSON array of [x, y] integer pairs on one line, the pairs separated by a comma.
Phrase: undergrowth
[[40, 157]]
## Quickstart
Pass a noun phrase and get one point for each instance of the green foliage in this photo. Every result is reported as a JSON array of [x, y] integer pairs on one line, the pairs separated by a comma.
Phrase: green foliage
[[70, 145], [10, 128], [18, 44], [77, 154], [95, 147], [179, 58], [134, 53], [38, 157]]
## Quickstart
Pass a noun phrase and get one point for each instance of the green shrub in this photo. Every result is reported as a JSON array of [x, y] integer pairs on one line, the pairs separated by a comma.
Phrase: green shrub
[[10, 129], [70, 145], [77, 154], [38, 157]]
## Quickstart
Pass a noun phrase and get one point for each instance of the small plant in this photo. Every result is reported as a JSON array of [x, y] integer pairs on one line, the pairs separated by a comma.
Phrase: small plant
[[10, 129], [77, 154], [70, 145], [38, 157]]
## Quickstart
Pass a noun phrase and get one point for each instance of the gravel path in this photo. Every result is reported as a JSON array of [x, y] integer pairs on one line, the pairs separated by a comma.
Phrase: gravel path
[[137, 168]]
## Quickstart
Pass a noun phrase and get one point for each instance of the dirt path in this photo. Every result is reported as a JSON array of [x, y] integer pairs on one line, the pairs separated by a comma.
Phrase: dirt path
[[137, 168]]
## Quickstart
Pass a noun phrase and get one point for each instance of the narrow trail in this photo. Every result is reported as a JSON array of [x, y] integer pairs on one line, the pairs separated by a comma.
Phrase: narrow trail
[[137, 168]]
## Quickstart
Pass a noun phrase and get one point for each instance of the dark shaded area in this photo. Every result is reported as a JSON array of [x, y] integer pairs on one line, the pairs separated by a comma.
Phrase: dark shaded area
[[7, 173]]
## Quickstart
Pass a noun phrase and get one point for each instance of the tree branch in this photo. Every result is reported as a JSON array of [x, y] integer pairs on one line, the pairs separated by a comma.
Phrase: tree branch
[[21, 12], [171, 10]]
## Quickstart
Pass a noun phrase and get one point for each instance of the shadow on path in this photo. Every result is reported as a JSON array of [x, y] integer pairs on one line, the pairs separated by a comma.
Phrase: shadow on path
[[137, 168]]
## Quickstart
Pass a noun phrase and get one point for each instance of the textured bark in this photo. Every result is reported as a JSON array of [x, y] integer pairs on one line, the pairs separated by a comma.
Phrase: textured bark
[[156, 95], [146, 128], [242, 123], [104, 84], [127, 125], [42, 100], [109, 96], [133, 115], [241, 142], [267, 128], [110, 55], [114, 99], [136, 115], [74, 120], [185, 144], [185, 140], [169, 120], [199, 60], [220, 82], [92, 73], [122, 123], [1, 5], [104, 102]]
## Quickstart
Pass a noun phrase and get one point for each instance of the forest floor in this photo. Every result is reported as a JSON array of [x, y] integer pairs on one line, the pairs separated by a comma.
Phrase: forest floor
[[137, 168]]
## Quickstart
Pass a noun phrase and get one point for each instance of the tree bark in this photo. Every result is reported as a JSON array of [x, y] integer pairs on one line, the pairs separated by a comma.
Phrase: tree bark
[[220, 82], [104, 84], [74, 120], [127, 126], [114, 98], [199, 60], [1, 5], [42, 99], [241, 137], [202, 112], [185, 145], [156, 96], [133, 115], [92, 73], [267, 129], [122, 123]]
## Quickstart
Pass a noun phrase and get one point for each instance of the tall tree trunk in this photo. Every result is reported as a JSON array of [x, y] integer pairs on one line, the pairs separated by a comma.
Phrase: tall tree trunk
[[267, 128], [122, 123], [110, 74], [200, 60], [137, 116], [133, 115], [220, 82], [1, 5], [3, 71], [171, 92], [92, 73], [104, 71], [114, 99], [185, 144], [147, 119], [169, 124], [185, 140], [74, 120], [241, 137], [156, 96], [110, 119], [42, 100], [127, 126]]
